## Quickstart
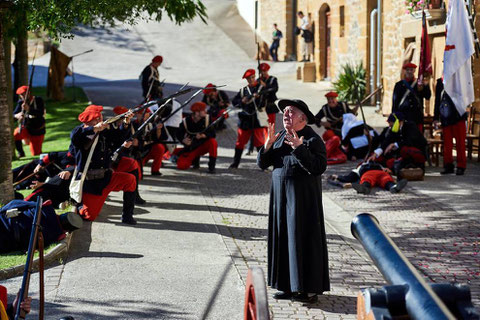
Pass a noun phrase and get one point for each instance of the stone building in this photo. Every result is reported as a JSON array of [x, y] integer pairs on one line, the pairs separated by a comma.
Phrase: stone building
[[345, 31]]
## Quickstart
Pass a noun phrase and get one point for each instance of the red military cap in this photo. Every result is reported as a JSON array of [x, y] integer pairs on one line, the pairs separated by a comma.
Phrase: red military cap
[[248, 73], [209, 88], [22, 89], [158, 59], [264, 66], [198, 106], [409, 65], [90, 113], [331, 94], [119, 110]]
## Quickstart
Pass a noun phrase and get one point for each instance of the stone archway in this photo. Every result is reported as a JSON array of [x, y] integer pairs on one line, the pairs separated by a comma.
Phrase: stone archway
[[324, 39]]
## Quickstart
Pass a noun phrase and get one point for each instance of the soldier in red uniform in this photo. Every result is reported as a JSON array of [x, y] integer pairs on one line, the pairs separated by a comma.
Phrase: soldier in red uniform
[[333, 113], [269, 88], [252, 120], [408, 96], [30, 113], [453, 125], [100, 178], [196, 139], [217, 101]]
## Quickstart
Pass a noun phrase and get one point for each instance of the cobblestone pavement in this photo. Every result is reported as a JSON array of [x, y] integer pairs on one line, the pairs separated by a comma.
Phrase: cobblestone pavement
[[441, 243]]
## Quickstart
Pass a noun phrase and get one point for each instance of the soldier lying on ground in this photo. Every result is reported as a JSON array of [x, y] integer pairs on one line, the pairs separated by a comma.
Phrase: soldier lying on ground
[[16, 219], [367, 176]]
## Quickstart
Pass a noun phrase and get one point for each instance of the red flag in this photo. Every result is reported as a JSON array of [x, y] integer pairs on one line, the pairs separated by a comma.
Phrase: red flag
[[425, 67]]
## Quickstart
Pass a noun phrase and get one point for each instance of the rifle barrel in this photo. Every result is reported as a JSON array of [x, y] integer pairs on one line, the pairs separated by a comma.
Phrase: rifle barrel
[[20, 313]]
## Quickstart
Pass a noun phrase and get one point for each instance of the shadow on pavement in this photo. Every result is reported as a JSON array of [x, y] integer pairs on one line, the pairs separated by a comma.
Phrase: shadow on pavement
[[114, 309]]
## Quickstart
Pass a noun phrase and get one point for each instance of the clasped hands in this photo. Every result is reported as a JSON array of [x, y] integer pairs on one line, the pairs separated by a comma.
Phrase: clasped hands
[[291, 137]]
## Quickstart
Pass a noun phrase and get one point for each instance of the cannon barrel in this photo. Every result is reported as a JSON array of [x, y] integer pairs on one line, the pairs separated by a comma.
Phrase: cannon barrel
[[420, 300]]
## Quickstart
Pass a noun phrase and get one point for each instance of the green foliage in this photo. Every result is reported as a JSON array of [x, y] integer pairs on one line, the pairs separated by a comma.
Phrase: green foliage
[[351, 83], [59, 17], [12, 259]]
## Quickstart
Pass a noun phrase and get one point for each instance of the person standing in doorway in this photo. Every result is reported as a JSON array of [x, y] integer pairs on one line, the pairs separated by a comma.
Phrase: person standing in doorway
[[307, 35]]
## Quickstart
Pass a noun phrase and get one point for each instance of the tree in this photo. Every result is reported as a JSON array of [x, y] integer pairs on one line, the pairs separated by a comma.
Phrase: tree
[[58, 18], [6, 189]]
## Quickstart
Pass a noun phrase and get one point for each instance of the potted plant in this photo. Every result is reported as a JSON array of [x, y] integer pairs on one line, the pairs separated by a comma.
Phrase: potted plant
[[433, 8]]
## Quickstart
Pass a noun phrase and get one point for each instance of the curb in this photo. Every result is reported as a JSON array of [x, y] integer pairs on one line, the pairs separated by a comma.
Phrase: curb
[[58, 252]]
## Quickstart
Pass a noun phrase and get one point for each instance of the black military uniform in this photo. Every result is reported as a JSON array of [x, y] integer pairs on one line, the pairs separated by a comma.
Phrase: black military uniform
[[151, 86], [32, 127], [216, 106], [101, 179], [408, 99], [269, 96], [191, 154], [334, 116]]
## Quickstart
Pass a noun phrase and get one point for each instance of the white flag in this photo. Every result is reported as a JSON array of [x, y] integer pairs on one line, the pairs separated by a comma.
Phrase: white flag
[[457, 70]]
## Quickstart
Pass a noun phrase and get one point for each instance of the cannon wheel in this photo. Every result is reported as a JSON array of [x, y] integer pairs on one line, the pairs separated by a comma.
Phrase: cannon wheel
[[256, 302]]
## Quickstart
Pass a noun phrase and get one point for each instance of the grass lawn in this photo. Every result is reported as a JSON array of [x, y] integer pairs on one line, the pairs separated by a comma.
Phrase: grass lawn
[[13, 259], [61, 119]]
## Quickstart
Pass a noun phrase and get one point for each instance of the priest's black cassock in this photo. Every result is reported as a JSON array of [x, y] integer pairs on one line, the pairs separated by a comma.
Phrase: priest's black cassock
[[297, 245]]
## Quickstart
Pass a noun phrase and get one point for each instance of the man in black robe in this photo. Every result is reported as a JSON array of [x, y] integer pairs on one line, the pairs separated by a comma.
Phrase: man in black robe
[[297, 245]]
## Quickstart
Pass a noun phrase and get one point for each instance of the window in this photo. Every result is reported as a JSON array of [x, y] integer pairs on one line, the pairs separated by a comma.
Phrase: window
[[342, 21]]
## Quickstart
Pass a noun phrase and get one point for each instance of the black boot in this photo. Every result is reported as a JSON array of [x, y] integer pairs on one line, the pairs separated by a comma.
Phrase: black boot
[[138, 198], [364, 188], [211, 164], [19, 147], [460, 171], [236, 158], [128, 207], [196, 163], [448, 168], [397, 187]]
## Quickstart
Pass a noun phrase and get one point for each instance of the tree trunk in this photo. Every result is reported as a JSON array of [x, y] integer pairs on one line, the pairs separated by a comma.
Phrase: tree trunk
[[7, 46], [21, 54], [6, 188]]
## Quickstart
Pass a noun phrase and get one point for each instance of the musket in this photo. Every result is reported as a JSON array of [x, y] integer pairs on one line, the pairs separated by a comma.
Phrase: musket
[[134, 110], [360, 105], [188, 101], [145, 105], [30, 82], [194, 145], [116, 154], [31, 175], [36, 241]]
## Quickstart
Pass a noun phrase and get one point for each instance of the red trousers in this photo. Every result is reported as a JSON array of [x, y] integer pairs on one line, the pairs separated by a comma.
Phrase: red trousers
[[127, 164], [376, 178], [92, 203], [185, 159], [272, 117], [35, 142], [334, 154], [244, 135], [459, 132], [155, 154], [412, 153], [218, 115]]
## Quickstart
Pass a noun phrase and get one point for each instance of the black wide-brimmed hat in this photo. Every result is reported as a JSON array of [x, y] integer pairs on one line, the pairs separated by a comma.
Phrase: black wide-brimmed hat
[[302, 106], [70, 221]]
